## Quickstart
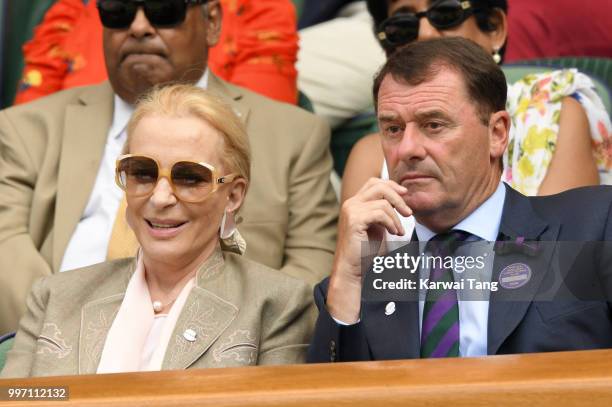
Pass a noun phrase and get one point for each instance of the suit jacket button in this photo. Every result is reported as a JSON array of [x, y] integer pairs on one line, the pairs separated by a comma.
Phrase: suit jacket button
[[332, 351]]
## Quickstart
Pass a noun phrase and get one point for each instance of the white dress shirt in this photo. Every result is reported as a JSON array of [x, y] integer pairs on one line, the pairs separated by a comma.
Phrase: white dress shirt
[[89, 242]]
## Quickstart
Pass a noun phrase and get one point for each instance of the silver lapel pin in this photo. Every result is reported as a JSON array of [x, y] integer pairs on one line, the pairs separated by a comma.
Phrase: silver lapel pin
[[190, 335], [390, 308]]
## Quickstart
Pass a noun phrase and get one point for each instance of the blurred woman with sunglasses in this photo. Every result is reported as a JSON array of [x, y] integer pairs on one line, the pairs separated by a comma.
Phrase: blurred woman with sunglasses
[[560, 136], [188, 299]]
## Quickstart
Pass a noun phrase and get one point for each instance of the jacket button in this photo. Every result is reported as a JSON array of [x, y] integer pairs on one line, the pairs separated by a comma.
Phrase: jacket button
[[332, 351]]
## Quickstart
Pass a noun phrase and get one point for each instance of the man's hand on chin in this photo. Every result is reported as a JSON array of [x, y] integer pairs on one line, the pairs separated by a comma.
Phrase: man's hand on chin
[[363, 219]]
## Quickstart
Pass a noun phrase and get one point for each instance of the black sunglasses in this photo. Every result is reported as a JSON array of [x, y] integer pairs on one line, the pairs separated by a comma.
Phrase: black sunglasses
[[160, 13], [403, 28]]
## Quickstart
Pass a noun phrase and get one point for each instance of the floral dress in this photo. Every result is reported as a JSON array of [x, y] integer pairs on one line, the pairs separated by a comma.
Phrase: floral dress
[[534, 105]]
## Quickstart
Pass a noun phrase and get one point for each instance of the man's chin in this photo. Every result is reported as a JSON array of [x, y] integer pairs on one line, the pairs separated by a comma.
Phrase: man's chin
[[144, 72], [422, 204], [146, 79], [136, 85]]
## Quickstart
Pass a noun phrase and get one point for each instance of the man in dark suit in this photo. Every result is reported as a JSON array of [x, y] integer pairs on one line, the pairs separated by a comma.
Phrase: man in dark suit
[[440, 105]]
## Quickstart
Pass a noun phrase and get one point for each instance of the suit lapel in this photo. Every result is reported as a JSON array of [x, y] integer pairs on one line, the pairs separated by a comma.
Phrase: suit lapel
[[507, 307], [231, 94], [86, 125], [205, 315], [395, 335], [98, 315]]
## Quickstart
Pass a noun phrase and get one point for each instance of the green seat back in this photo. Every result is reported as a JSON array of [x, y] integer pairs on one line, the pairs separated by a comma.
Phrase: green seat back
[[20, 19], [345, 136], [304, 102], [5, 346], [299, 6]]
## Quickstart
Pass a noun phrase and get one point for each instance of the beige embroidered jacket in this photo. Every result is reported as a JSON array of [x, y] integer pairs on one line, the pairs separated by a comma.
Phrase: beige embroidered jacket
[[50, 153], [243, 314]]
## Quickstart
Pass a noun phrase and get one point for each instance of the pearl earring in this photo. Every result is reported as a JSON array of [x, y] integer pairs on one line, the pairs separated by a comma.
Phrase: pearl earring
[[496, 56]]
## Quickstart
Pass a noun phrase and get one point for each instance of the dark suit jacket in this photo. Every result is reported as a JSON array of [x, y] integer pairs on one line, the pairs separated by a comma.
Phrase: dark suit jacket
[[564, 306]]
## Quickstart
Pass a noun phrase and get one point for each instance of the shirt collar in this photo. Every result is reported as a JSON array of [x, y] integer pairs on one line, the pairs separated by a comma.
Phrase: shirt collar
[[121, 116], [483, 222], [123, 110]]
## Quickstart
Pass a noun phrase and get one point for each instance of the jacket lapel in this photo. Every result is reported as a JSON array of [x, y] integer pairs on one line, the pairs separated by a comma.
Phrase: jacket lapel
[[205, 315], [395, 335], [231, 94], [86, 125], [507, 307], [98, 315]]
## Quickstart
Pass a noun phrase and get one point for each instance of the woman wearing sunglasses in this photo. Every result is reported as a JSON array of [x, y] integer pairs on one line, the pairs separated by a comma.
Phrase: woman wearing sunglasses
[[560, 133], [188, 299]]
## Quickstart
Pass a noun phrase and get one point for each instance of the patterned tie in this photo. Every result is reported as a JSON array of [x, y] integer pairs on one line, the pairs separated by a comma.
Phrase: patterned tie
[[440, 329]]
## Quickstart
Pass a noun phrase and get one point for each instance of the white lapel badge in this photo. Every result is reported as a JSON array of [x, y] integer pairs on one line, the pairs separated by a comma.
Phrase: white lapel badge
[[190, 335], [390, 308]]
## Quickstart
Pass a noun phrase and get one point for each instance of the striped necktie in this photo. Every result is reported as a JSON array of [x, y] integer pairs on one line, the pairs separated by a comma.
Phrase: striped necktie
[[440, 329]]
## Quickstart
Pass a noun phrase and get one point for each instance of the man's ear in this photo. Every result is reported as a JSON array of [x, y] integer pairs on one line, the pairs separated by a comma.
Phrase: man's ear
[[214, 17], [499, 131], [236, 195]]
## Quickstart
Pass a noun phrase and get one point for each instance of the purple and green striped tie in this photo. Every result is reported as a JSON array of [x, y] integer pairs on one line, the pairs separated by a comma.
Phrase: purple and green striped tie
[[440, 328]]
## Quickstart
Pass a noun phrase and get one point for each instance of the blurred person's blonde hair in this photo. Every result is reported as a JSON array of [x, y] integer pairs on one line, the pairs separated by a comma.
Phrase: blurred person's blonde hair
[[183, 100]]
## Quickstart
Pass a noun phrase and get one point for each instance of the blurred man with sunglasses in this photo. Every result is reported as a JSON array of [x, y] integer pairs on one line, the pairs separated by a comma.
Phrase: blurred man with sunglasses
[[58, 201]]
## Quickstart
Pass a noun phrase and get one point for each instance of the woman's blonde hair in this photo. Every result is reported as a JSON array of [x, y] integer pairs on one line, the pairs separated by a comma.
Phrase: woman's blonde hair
[[183, 100]]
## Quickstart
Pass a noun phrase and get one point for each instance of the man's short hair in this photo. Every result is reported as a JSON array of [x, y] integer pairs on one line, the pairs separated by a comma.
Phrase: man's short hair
[[420, 61]]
